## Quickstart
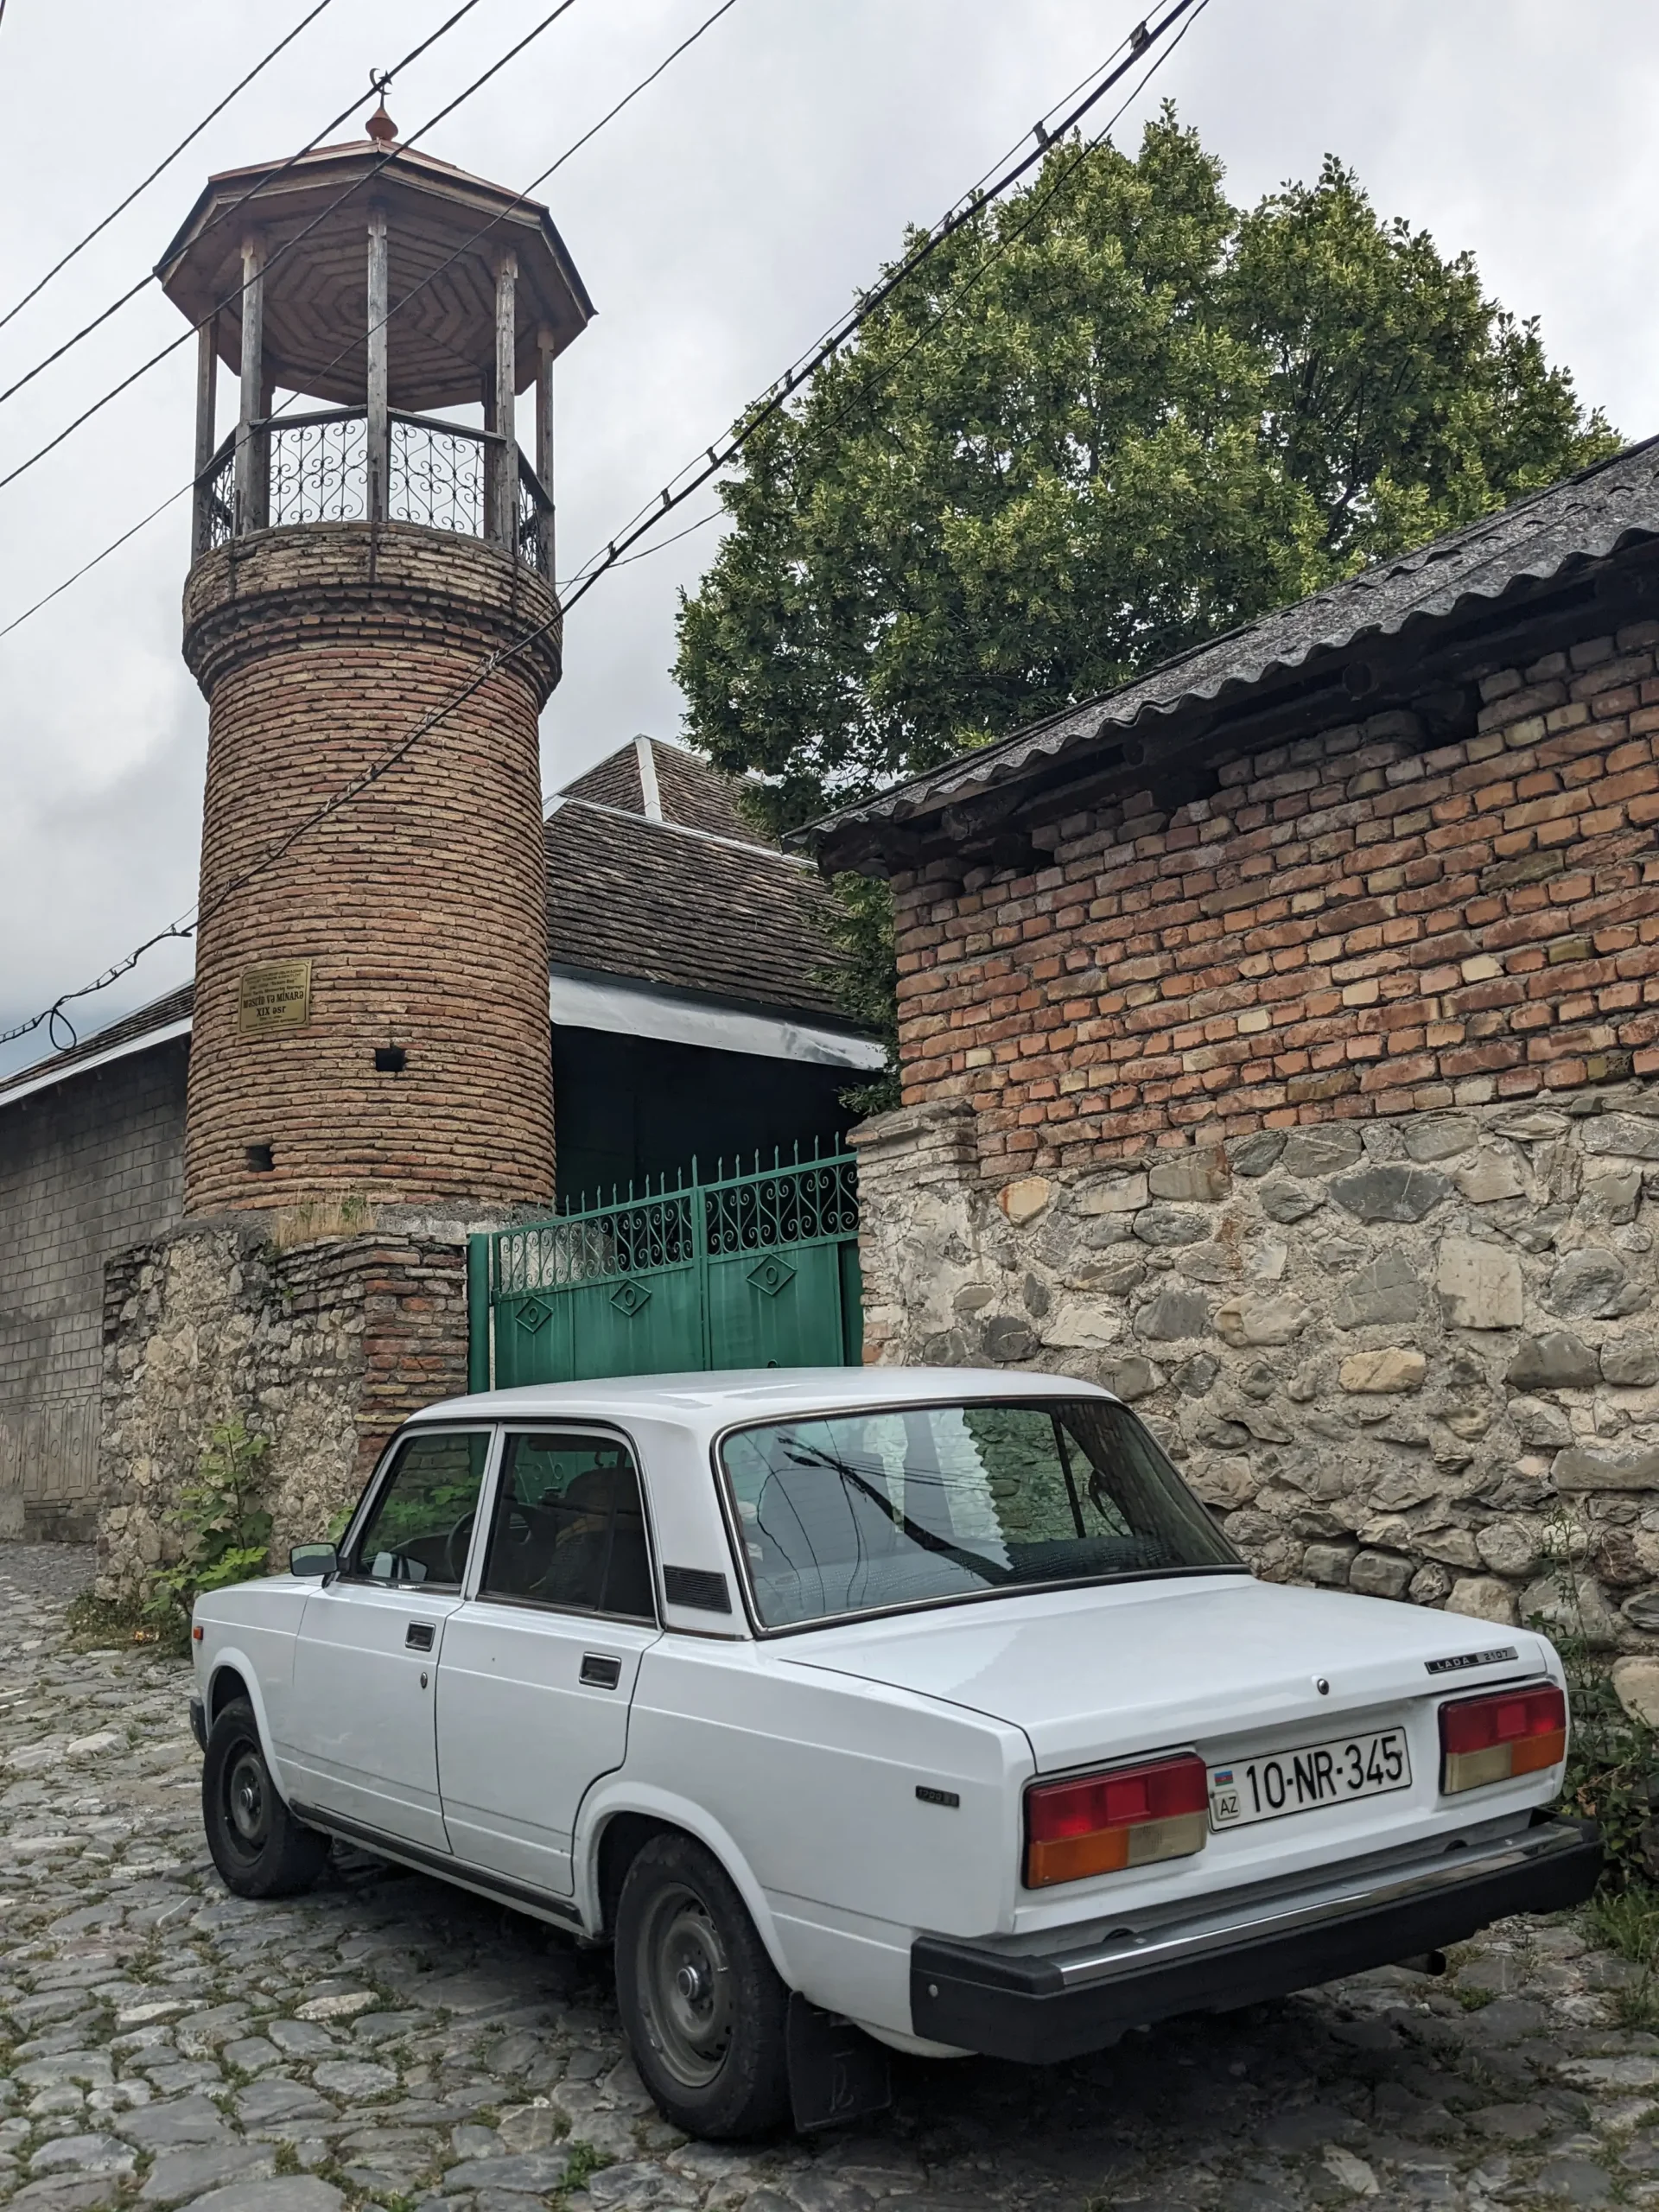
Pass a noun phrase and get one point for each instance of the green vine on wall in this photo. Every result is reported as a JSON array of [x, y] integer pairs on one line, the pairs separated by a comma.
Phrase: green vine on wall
[[224, 1528]]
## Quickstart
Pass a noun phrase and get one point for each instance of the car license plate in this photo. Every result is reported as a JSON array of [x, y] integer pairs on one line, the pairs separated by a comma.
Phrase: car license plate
[[1334, 1773]]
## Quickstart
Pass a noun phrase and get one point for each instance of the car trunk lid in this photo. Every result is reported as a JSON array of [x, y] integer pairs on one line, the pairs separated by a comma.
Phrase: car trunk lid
[[1103, 1673]]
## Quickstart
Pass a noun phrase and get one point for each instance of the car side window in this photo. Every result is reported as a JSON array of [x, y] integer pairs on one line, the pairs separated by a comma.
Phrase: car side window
[[420, 1526], [570, 1527]]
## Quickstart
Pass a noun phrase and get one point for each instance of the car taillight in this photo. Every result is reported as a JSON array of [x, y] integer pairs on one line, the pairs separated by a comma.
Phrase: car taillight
[[1487, 1739], [1102, 1822]]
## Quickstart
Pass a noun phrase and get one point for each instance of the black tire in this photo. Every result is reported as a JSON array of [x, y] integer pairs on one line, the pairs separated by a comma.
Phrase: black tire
[[259, 1848], [703, 2007]]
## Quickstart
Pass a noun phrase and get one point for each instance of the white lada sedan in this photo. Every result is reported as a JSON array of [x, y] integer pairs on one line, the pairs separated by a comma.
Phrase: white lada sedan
[[927, 1703]]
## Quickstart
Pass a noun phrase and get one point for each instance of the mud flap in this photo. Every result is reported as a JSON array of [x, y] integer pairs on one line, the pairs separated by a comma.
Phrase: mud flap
[[836, 2072]]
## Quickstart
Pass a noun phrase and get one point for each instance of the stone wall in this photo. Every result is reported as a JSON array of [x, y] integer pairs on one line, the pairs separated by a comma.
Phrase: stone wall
[[323, 1348], [1417, 1357], [1314, 1106], [88, 1165]]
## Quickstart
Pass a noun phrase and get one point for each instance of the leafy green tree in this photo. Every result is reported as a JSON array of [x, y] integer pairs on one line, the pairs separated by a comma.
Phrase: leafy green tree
[[1113, 417]]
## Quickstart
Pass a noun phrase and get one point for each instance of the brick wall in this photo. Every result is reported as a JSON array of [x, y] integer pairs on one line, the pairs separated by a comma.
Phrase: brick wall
[[1353, 924], [1317, 1113], [94, 1162], [421, 905]]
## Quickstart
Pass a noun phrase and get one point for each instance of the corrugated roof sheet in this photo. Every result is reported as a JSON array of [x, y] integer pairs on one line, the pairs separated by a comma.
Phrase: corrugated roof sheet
[[1585, 518]]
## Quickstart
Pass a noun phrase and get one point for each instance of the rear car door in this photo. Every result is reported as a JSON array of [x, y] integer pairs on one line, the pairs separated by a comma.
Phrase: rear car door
[[539, 1667], [371, 1641]]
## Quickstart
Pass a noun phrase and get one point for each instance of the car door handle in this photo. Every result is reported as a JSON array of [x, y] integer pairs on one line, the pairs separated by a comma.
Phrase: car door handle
[[417, 1636], [599, 1673]]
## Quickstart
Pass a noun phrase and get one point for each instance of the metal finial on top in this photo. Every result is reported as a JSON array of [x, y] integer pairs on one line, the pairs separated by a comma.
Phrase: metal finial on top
[[380, 126]]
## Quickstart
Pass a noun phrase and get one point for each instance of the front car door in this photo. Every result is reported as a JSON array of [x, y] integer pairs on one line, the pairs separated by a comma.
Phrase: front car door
[[371, 1639], [539, 1667]]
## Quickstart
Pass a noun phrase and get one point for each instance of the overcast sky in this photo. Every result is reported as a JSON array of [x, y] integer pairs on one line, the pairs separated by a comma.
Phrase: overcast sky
[[720, 225]]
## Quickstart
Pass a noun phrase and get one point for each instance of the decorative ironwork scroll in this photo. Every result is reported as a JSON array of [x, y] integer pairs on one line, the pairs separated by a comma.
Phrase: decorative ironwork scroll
[[438, 475], [319, 469]]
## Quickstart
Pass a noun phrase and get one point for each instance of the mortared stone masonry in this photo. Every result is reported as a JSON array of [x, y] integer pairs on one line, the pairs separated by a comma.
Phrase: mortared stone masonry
[[1316, 1111]]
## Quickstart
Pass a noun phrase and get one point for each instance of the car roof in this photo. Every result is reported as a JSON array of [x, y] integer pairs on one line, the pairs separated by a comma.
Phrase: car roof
[[710, 1401]]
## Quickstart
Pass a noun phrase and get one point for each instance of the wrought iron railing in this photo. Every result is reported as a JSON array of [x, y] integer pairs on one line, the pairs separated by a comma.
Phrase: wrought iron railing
[[315, 469], [318, 469], [437, 474], [792, 1202], [533, 519], [607, 1241]]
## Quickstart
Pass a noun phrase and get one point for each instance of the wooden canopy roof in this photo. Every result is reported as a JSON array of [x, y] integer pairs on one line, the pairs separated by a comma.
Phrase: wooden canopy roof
[[440, 334]]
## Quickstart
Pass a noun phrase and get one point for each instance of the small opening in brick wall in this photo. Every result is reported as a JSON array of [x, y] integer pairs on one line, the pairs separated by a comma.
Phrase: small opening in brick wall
[[260, 1160], [390, 1060]]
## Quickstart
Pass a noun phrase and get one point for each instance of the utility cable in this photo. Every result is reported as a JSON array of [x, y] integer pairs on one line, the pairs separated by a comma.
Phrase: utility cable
[[518, 197], [189, 138], [381, 79], [114, 544], [699, 473], [1146, 35]]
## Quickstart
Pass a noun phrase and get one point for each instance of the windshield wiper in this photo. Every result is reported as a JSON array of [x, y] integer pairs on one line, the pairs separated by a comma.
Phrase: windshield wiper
[[927, 1540]]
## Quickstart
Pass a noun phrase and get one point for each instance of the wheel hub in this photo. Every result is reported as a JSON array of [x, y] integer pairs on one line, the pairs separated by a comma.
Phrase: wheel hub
[[686, 1985], [247, 1799]]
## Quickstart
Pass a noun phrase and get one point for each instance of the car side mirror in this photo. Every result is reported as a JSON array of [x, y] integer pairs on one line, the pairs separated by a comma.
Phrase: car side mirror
[[314, 1562]]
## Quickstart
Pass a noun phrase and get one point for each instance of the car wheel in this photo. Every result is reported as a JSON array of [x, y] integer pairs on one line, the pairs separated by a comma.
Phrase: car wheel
[[259, 1848], [703, 2004]]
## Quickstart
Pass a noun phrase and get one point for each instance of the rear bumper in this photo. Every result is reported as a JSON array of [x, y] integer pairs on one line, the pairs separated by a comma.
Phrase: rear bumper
[[1059, 2004]]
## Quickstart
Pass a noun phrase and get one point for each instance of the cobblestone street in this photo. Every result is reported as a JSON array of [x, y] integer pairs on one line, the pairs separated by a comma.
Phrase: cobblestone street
[[385, 2040]]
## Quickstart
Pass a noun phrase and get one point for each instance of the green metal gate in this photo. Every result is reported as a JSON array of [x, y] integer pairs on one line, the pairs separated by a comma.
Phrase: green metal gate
[[752, 1270]]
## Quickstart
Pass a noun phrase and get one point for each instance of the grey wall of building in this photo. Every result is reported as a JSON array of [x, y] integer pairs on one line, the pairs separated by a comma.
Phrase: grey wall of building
[[87, 1167]]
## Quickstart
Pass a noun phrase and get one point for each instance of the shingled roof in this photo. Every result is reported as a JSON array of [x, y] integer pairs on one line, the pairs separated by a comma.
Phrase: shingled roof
[[654, 876], [161, 1014], [1585, 517], [654, 873]]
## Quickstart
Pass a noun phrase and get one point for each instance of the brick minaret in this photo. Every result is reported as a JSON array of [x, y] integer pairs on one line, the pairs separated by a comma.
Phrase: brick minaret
[[371, 1012]]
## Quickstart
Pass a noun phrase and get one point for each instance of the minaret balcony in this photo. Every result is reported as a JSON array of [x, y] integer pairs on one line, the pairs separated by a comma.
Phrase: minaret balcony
[[313, 468]]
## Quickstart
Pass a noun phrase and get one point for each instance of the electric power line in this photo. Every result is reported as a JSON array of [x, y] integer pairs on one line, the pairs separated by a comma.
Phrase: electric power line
[[190, 136], [380, 79], [1146, 37], [700, 472], [143, 522]]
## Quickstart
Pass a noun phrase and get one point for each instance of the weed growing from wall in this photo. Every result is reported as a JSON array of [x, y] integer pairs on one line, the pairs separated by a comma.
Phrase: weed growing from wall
[[224, 1531]]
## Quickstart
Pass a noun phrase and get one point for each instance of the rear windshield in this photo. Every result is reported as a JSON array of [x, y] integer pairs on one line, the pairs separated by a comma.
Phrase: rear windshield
[[861, 1512]]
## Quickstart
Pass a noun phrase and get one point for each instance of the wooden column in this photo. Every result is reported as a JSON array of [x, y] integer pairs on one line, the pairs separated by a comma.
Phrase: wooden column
[[380, 439], [252, 463], [506, 454], [206, 394], [544, 442]]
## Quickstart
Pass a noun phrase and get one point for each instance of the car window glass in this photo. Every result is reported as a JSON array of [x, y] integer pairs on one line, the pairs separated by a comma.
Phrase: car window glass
[[420, 1526], [872, 1510], [570, 1529]]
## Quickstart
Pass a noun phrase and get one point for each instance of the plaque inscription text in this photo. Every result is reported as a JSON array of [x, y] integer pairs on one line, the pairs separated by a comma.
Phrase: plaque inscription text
[[275, 995]]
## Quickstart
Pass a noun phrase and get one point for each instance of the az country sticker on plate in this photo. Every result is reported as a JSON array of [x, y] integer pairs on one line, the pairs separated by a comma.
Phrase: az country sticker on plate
[[1278, 1782]]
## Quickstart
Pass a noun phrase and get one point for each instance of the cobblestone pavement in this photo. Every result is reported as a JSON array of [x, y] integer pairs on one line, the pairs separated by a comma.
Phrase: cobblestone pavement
[[387, 2041]]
